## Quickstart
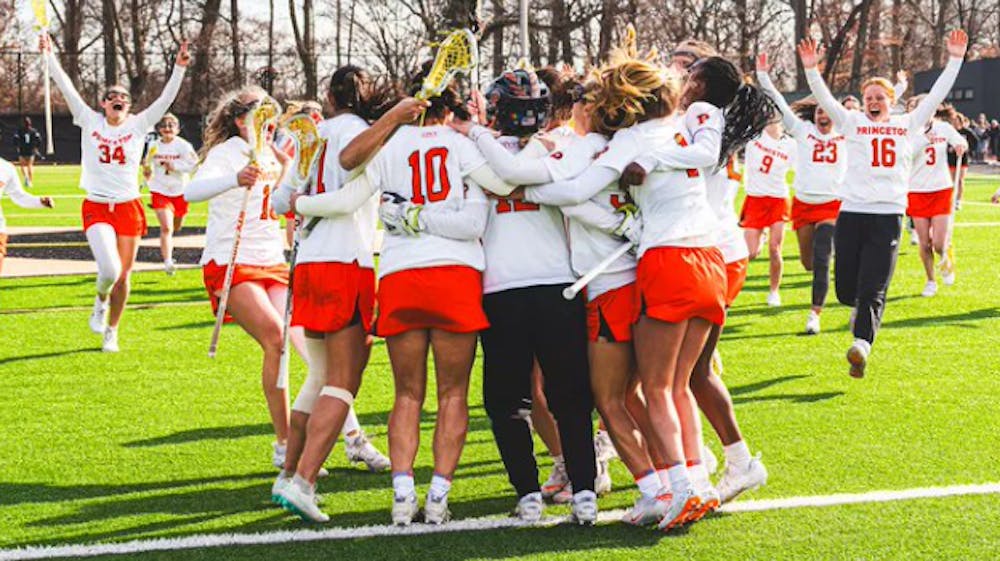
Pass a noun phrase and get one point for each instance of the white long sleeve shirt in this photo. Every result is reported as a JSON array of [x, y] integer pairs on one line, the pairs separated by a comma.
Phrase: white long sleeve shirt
[[767, 162], [181, 156], [10, 183], [930, 158]]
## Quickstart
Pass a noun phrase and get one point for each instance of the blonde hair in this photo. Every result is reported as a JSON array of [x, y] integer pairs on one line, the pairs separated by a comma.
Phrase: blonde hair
[[221, 124], [883, 83]]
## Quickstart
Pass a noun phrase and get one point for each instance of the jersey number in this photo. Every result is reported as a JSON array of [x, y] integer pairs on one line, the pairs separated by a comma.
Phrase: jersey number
[[506, 205], [108, 155], [435, 190], [266, 212], [931, 155], [766, 163], [883, 152], [821, 155]]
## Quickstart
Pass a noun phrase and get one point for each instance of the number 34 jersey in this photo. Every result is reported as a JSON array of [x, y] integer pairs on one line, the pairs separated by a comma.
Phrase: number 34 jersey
[[426, 166], [767, 163]]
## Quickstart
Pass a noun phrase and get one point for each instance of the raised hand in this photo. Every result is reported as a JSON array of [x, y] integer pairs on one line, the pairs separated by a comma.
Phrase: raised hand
[[183, 55], [809, 52], [958, 42], [762, 65], [408, 109], [44, 43]]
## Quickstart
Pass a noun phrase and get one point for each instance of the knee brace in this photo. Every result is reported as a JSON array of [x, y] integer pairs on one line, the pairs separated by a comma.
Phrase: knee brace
[[338, 393], [315, 380]]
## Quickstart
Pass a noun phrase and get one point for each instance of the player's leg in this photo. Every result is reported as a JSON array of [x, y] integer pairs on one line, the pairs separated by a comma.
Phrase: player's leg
[[165, 216], [805, 237], [103, 242], [556, 486], [755, 239], [776, 238], [940, 242], [879, 252], [695, 337], [128, 247], [923, 229], [408, 356], [822, 251]]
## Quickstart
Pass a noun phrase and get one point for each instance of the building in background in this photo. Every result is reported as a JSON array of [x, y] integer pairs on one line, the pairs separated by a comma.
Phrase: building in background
[[977, 89]]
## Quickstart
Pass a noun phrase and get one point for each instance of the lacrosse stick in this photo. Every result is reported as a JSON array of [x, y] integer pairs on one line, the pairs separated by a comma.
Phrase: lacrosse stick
[[309, 148], [42, 26], [571, 291], [257, 122], [457, 54], [147, 162], [947, 262]]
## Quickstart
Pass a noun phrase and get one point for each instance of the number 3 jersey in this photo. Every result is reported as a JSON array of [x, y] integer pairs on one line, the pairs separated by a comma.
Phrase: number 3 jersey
[[426, 166], [262, 241], [767, 161], [930, 158]]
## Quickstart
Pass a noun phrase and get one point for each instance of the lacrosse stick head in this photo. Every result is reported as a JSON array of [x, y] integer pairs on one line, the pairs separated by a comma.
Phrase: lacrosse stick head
[[305, 136], [258, 120], [41, 10], [457, 54]]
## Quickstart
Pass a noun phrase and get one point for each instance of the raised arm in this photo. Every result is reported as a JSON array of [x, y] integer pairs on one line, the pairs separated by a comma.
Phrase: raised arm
[[809, 53], [152, 114], [364, 146], [957, 43], [77, 106], [899, 88], [788, 117]]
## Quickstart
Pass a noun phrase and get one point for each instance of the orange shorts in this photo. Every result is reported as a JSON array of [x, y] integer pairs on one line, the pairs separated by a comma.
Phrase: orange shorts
[[736, 275], [214, 276], [929, 205], [612, 314], [804, 214], [679, 283], [449, 298], [328, 297], [177, 204], [128, 218], [761, 212]]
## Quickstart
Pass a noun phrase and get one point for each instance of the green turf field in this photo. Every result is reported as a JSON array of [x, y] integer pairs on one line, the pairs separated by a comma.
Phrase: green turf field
[[160, 441]]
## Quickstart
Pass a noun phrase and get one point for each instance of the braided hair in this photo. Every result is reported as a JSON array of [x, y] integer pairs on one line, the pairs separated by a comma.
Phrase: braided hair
[[745, 108]]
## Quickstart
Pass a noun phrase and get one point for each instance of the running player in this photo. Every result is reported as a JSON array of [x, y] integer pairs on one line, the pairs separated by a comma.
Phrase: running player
[[168, 172], [768, 158], [113, 217], [929, 202], [819, 171], [10, 183], [28, 142], [879, 155]]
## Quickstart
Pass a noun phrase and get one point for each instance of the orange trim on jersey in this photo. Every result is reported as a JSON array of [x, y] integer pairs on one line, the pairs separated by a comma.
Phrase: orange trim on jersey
[[127, 218], [929, 205], [804, 214]]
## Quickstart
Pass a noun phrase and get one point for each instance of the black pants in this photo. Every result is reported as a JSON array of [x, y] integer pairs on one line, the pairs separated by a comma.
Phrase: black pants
[[526, 323], [867, 246], [822, 251]]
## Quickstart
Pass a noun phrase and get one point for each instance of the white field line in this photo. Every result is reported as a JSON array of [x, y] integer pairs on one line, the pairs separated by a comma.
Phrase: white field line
[[470, 525]]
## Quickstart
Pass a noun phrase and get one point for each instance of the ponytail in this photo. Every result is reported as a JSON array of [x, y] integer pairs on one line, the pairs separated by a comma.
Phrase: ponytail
[[746, 116]]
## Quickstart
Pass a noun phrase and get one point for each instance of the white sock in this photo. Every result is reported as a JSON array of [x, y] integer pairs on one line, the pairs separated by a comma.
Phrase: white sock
[[737, 453], [649, 485], [699, 475], [865, 345], [558, 461], [664, 477], [680, 481], [351, 425], [440, 485], [303, 485], [402, 484]]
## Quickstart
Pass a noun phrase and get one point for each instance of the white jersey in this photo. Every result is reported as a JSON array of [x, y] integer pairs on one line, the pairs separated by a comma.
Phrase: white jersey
[[722, 187], [525, 243], [768, 161], [262, 241], [111, 155], [427, 166], [820, 163], [181, 156], [930, 158], [10, 183], [342, 238], [673, 201]]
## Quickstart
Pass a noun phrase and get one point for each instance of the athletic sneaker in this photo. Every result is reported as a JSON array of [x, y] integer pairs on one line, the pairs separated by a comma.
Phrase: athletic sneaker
[[556, 483], [584, 508], [359, 450], [737, 479], [930, 289], [603, 447], [404, 509], [773, 299], [708, 499], [679, 509], [278, 457], [602, 484], [110, 344], [708, 459], [279, 485], [99, 316], [647, 510], [169, 267], [812, 324], [530, 508], [857, 355], [436, 509], [302, 502]]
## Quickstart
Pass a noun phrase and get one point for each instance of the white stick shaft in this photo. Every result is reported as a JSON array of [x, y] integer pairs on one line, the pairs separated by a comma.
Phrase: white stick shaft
[[287, 319], [220, 315], [49, 148], [571, 291], [524, 28], [954, 197]]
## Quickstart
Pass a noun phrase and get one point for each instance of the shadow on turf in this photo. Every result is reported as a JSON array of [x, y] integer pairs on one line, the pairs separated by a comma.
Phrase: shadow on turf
[[39, 356]]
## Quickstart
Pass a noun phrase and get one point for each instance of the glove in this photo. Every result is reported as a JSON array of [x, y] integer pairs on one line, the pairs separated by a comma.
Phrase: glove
[[400, 216], [630, 227]]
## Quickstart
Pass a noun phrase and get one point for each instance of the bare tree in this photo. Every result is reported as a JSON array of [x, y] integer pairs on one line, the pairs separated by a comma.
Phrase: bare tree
[[305, 44], [234, 34]]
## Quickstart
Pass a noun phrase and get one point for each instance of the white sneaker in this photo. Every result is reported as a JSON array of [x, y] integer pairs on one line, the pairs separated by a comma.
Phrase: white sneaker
[[557, 482], [930, 289], [169, 267], [739, 479], [708, 499], [773, 299], [602, 484], [404, 509], [436, 509], [302, 503], [812, 324], [279, 485], [857, 356], [584, 509], [647, 510], [604, 448], [99, 316], [360, 450], [110, 344], [914, 240], [530, 508], [948, 279], [709, 460], [278, 457], [679, 509], [947, 267]]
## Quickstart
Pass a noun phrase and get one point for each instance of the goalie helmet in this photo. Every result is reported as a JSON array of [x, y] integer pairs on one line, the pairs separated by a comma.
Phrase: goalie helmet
[[518, 103]]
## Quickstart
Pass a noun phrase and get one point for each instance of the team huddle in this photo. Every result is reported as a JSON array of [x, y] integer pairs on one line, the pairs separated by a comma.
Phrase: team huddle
[[493, 206]]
